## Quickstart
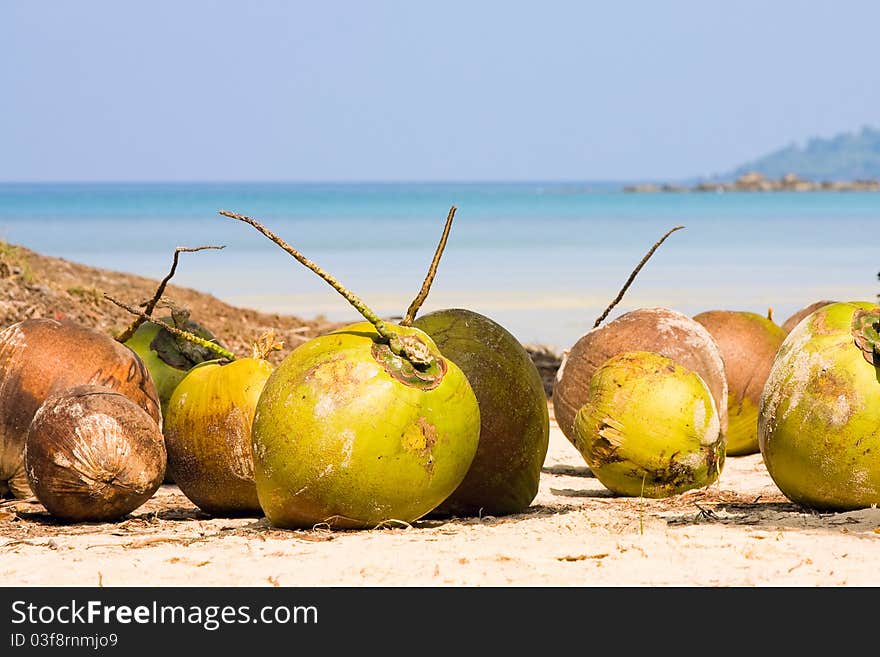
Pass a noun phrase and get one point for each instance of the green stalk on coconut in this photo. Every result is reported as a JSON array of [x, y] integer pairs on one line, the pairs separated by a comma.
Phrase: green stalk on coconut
[[514, 419], [819, 417], [367, 425], [168, 357]]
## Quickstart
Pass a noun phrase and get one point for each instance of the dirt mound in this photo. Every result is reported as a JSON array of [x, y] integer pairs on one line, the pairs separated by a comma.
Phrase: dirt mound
[[35, 285]]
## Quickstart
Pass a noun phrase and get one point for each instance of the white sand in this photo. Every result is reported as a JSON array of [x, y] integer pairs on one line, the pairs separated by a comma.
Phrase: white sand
[[739, 532]]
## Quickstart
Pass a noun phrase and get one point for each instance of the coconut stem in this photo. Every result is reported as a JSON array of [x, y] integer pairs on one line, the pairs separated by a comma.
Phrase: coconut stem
[[432, 271], [160, 290], [633, 275], [866, 331], [409, 347], [265, 345], [186, 335]]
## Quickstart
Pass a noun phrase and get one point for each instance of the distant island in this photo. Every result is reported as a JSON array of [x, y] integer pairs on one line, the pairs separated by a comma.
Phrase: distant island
[[845, 162]]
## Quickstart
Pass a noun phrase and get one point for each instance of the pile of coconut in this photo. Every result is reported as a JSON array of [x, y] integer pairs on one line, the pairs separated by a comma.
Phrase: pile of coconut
[[445, 414], [656, 400], [373, 423]]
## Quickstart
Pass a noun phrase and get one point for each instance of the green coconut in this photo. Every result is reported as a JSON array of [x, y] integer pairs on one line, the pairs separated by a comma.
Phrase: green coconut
[[208, 434], [659, 330], [514, 418], [168, 357], [650, 427], [367, 425], [349, 434], [748, 343], [819, 420]]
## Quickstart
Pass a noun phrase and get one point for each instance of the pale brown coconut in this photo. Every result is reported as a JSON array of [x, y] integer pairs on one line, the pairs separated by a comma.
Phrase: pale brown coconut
[[795, 319], [748, 342], [43, 357], [659, 330], [92, 454]]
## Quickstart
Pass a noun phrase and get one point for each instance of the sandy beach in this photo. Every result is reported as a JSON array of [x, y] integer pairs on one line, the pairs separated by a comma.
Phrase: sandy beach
[[739, 532]]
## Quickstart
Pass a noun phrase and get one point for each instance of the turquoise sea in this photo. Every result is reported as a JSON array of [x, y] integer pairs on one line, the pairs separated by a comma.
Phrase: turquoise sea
[[543, 259]]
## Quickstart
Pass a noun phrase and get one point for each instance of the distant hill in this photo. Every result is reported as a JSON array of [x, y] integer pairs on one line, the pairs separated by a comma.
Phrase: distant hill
[[847, 156]]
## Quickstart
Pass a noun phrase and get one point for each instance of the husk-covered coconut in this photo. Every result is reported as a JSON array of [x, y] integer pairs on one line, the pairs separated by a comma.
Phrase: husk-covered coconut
[[748, 343], [208, 435], [42, 357], [92, 454], [514, 418], [349, 434], [650, 427], [659, 330], [819, 418], [797, 316]]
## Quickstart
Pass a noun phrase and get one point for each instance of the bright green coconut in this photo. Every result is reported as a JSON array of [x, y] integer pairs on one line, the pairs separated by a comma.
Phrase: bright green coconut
[[349, 434], [650, 427], [819, 421], [367, 425]]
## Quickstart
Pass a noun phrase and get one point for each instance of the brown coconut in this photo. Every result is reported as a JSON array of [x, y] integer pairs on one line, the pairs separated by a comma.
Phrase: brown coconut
[[92, 454], [43, 357], [659, 330], [748, 343], [795, 319]]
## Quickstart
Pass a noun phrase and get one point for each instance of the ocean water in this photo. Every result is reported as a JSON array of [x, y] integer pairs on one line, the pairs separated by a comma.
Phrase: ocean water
[[543, 259]]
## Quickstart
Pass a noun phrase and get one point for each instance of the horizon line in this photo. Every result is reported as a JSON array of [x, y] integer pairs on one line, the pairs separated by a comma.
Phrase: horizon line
[[353, 181]]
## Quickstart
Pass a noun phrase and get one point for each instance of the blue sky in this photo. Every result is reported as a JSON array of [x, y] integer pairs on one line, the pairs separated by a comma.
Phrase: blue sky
[[460, 91]]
